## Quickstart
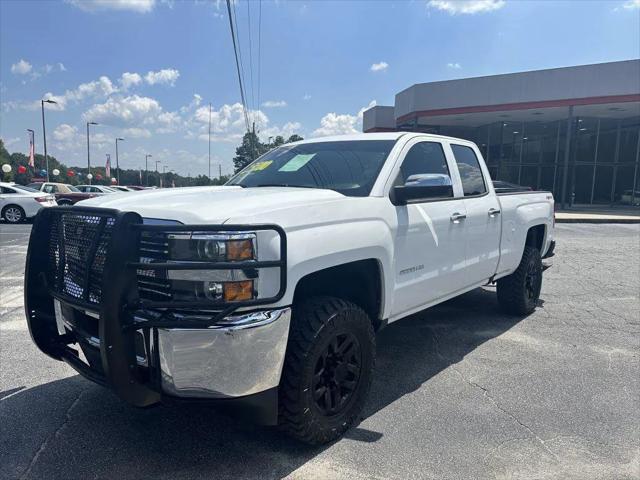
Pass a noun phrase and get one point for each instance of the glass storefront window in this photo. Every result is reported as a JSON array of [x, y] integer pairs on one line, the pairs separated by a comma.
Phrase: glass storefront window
[[603, 159], [608, 133]]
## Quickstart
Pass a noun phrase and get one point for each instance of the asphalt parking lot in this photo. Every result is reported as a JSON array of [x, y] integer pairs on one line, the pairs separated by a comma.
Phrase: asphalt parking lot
[[461, 392]]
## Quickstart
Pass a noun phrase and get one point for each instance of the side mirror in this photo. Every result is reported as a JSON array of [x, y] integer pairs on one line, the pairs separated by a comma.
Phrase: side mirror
[[422, 187]]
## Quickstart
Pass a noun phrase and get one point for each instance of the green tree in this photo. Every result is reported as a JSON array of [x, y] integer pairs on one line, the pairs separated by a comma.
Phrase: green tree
[[250, 149], [294, 138]]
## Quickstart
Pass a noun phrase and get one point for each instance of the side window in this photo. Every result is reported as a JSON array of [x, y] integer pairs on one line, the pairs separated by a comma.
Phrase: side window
[[49, 189], [470, 172], [95, 190], [7, 190], [423, 157]]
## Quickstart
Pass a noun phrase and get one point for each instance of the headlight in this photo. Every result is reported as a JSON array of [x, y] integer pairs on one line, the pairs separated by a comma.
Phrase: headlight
[[203, 284], [207, 247]]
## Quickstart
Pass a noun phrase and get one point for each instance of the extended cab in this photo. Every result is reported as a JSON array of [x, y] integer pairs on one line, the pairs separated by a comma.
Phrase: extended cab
[[267, 292]]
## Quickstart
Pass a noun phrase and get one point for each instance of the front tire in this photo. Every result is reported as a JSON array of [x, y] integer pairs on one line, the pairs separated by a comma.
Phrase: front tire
[[327, 370], [13, 214], [518, 293]]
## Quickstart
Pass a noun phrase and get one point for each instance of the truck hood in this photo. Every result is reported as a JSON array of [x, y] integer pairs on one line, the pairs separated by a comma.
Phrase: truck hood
[[213, 205]]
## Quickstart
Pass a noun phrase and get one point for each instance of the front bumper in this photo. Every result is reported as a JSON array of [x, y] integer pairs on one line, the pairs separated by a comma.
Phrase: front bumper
[[147, 352], [241, 359]]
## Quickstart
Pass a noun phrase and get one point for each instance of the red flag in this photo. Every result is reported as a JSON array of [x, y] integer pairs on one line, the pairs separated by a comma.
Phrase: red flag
[[32, 150], [107, 167]]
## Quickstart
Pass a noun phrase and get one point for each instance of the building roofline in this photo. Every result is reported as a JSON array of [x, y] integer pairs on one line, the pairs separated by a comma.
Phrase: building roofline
[[523, 72]]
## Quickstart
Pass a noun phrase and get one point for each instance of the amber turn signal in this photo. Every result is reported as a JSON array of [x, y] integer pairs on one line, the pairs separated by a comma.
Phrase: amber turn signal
[[239, 250], [238, 291]]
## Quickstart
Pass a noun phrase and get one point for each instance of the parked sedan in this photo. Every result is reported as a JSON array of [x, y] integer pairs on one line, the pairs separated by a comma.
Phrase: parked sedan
[[121, 188], [18, 203], [97, 189], [65, 194]]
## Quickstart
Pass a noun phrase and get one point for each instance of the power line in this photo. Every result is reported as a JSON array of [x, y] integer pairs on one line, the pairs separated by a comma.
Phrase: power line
[[259, 47], [244, 81], [235, 51], [253, 101]]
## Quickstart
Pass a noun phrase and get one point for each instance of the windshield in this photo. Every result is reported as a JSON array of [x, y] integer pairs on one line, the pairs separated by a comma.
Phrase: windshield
[[25, 189], [72, 188], [348, 167]]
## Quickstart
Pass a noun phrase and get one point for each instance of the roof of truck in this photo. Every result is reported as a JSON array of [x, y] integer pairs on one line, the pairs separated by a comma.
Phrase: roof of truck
[[373, 136]]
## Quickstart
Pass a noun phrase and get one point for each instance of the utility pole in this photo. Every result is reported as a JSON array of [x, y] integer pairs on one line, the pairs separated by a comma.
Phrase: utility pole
[[89, 176], [117, 163], [209, 141], [157, 162], [44, 136], [253, 141], [219, 171], [146, 170]]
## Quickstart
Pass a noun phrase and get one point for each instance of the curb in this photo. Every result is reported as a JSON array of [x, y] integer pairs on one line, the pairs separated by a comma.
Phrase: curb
[[599, 220]]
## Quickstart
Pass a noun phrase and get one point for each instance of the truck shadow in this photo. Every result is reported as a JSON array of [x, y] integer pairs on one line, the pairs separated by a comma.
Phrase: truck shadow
[[81, 430]]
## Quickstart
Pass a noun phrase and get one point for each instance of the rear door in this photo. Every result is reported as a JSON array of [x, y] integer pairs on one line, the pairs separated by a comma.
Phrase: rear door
[[483, 222], [430, 239]]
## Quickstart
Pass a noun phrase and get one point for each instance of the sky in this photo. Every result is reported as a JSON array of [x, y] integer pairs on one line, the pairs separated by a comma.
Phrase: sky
[[147, 70]]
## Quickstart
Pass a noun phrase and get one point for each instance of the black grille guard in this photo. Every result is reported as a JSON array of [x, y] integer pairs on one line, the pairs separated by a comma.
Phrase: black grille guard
[[120, 309]]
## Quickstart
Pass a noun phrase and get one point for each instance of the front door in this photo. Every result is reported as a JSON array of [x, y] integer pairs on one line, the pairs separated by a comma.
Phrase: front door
[[430, 242]]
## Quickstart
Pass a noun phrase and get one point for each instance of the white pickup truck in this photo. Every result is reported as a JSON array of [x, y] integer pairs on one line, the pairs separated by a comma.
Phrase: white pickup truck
[[267, 292]]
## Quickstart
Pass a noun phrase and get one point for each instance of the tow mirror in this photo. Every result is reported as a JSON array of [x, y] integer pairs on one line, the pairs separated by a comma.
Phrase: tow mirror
[[422, 187]]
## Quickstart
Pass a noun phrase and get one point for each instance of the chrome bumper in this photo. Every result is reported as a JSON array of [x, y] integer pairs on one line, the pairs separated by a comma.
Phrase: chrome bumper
[[241, 356]]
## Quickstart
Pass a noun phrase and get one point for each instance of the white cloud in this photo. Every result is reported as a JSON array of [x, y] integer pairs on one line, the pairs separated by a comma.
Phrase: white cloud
[[61, 67], [306, 97], [341, 124], [285, 131], [169, 122], [379, 67], [631, 5], [274, 104], [167, 76], [466, 6], [128, 80], [21, 68], [103, 87], [135, 132], [194, 103], [131, 111], [11, 141], [227, 123], [140, 6], [455, 65], [65, 132]]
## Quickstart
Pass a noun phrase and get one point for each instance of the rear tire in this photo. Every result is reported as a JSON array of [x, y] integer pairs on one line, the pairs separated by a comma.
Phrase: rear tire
[[327, 370], [13, 214], [518, 293]]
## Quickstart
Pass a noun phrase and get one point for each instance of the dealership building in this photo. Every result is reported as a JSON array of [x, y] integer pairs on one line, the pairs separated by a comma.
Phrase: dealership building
[[574, 131]]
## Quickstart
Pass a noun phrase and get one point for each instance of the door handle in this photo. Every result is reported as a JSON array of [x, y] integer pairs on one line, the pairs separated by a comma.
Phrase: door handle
[[456, 217], [494, 211]]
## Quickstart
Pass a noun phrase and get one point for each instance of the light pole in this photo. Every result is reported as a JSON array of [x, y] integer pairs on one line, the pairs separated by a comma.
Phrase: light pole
[[44, 136], [164, 173], [117, 163], [209, 141], [157, 162], [89, 152], [146, 170]]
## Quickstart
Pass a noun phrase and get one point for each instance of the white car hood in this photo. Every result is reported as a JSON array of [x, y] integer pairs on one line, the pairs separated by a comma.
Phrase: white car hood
[[212, 205]]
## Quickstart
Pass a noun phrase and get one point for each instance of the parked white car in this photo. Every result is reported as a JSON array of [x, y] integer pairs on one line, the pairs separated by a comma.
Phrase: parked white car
[[17, 203], [121, 188], [97, 189], [268, 291]]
